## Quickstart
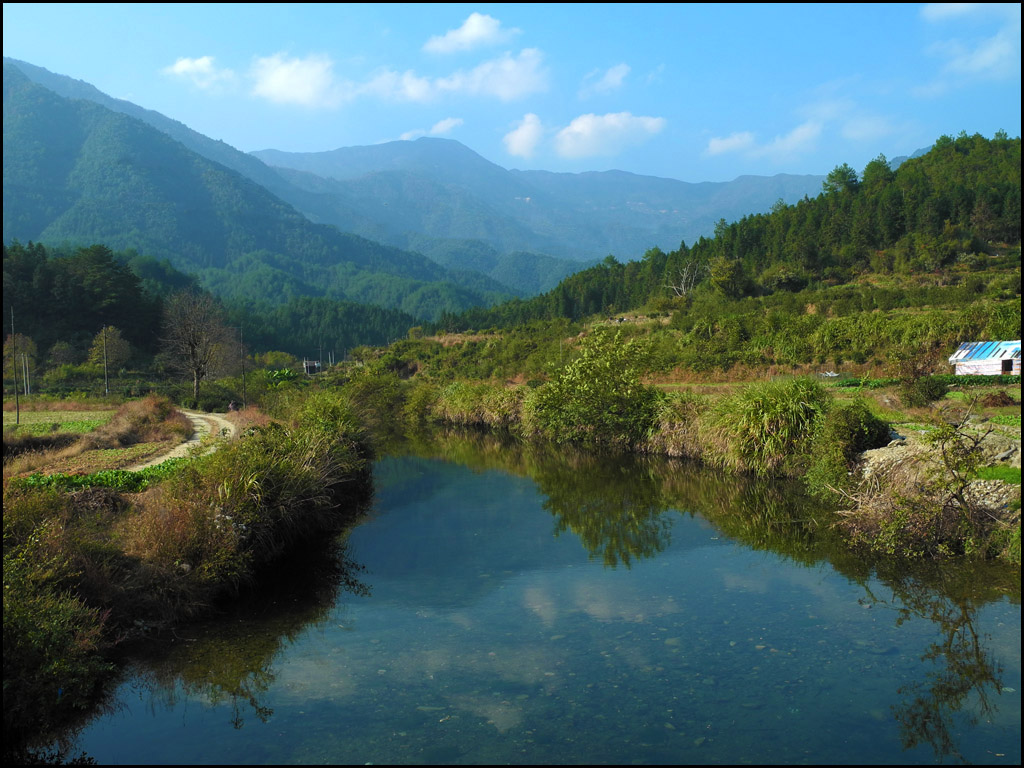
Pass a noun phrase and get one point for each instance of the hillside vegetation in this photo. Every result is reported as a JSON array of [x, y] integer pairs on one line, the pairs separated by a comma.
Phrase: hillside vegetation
[[77, 172]]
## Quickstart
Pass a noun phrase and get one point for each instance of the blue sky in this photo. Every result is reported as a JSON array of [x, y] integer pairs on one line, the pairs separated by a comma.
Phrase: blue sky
[[694, 92]]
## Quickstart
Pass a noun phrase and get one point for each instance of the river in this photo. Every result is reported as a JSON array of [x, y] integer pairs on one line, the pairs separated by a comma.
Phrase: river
[[500, 605]]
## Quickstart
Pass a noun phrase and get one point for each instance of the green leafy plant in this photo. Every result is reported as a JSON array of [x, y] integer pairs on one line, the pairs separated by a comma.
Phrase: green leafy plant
[[598, 397]]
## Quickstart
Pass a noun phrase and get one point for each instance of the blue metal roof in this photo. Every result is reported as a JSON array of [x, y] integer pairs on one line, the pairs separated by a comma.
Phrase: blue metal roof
[[986, 350]]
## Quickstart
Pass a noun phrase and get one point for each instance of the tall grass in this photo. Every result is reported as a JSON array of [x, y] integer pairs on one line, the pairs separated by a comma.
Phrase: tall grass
[[769, 426], [84, 569], [227, 514]]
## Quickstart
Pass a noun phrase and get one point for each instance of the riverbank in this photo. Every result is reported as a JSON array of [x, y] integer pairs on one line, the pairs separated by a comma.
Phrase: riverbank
[[87, 570], [794, 427]]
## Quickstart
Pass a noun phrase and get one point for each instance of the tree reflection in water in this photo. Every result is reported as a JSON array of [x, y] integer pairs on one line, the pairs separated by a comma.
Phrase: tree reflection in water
[[621, 510], [230, 659], [965, 678], [616, 507]]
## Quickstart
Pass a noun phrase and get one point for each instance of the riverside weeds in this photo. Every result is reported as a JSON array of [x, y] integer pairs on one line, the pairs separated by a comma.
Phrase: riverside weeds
[[89, 563]]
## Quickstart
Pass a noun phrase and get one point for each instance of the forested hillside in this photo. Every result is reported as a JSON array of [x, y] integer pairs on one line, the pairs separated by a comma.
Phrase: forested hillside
[[948, 208], [77, 172], [61, 298]]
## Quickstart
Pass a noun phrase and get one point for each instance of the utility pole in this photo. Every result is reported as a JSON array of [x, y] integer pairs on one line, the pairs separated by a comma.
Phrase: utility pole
[[242, 357], [14, 365], [106, 385]]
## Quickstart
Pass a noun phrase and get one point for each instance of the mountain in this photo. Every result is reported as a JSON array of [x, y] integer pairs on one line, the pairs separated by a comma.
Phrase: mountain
[[524, 229], [446, 191], [76, 171], [523, 272]]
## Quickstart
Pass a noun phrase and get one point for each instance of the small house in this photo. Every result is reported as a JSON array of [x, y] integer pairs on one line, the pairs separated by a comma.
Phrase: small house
[[987, 358]]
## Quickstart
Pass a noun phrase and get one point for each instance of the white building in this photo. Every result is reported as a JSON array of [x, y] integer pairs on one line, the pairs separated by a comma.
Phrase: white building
[[987, 358]]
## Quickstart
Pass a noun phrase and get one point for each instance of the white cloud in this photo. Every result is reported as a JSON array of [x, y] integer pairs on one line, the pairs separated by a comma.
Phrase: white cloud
[[309, 82], [735, 142], [522, 141], [506, 78], [202, 72], [440, 128], [800, 139], [590, 134], [996, 56], [968, 59], [399, 86], [611, 80], [477, 30]]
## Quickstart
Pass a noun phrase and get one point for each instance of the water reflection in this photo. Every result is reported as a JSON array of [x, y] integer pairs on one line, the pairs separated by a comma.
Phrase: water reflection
[[229, 660], [964, 677], [488, 639], [617, 505]]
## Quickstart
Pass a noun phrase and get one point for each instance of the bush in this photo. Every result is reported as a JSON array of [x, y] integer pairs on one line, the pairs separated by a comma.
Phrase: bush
[[842, 432], [597, 398], [922, 509], [223, 516], [769, 425], [51, 638], [921, 392]]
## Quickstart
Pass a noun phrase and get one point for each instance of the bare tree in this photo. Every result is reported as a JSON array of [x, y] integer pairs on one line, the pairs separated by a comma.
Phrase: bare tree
[[196, 341], [692, 273]]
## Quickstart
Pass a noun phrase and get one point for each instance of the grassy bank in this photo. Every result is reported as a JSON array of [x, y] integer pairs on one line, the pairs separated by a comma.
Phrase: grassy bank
[[791, 427], [87, 569]]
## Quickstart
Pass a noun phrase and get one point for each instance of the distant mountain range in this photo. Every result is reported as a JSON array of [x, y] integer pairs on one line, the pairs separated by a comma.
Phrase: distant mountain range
[[401, 191], [351, 223], [77, 172]]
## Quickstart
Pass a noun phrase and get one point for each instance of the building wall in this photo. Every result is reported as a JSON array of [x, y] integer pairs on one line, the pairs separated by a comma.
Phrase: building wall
[[984, 368]]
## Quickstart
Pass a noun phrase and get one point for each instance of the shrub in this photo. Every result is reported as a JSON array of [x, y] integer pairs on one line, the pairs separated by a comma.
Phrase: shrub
[[224, 515], [681, 428], [419, 405], [921, 392], [842, 432], [51, 638], [921, 509], [769, 425], [597, 398]]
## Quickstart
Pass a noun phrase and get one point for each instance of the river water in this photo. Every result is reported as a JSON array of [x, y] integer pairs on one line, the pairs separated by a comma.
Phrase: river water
[[501, 606]]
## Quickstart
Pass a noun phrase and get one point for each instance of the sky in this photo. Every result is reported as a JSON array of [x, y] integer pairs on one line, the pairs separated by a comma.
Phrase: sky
[[702, 92]]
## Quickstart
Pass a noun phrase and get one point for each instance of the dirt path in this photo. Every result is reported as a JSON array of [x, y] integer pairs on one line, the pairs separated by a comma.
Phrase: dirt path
[[203, 425]]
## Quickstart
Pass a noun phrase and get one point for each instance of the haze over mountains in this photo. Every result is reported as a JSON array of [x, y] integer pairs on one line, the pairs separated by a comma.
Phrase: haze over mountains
[[442, 189], [352, 223]]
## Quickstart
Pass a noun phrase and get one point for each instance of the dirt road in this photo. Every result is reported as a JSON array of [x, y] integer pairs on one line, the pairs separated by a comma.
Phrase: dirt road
[[204, 425]]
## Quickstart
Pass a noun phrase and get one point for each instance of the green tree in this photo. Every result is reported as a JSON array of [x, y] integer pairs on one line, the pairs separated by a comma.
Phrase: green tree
[[728, 277], [110, 348], [599, 397], [841, 178]]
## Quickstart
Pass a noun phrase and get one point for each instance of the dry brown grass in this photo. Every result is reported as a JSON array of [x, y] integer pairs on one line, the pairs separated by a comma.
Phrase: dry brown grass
[[247, 418], [909, 509]]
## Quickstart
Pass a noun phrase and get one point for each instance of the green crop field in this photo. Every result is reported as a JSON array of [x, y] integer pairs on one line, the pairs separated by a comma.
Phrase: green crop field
[[45, 422]]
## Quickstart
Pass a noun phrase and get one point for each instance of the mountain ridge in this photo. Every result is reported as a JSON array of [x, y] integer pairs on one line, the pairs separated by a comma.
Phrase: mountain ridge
[[75, 171]]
